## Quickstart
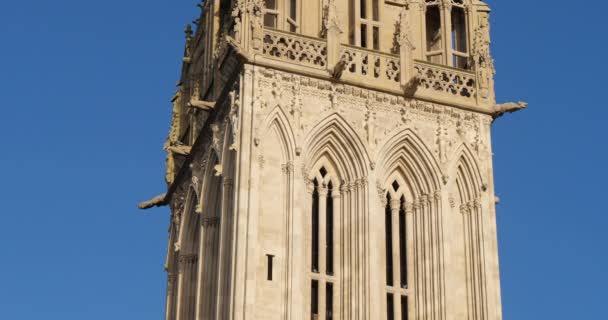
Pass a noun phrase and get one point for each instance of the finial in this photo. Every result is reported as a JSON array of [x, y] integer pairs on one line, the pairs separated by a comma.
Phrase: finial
[[188, 31]]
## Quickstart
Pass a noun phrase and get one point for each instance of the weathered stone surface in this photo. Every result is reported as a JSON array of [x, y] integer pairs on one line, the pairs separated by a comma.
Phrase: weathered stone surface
[[342, 155]]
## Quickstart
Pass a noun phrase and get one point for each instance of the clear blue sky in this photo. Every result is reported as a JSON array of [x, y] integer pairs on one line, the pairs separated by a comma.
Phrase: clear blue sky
[[84, 98]]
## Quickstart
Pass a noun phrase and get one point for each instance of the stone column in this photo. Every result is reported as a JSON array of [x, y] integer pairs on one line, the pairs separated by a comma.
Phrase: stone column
[[171, 292], [337, 252], [187, 287], [225, 250], [410, 245], [345, 251], [446, 22]]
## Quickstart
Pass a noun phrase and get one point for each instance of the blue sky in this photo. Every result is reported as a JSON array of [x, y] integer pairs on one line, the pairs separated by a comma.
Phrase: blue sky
[[84, 101]]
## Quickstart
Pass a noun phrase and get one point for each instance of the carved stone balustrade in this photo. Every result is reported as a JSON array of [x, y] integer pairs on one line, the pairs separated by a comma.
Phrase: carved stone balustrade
[[295, 48], [373, 67], [445, 81]]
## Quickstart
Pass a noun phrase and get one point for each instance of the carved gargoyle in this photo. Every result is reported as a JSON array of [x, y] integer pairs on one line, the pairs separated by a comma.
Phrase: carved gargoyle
[[158, 201], [338, 69], [179, 149], [200, 104], [501, 109]]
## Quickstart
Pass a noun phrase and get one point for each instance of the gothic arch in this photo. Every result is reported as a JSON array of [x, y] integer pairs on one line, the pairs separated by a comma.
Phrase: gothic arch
[[209, 209], [468, 184], [188, 246], [410, 181], [468, 179], [337, 163], [277, 120], [189, 224], [333, 138], [405, 153]]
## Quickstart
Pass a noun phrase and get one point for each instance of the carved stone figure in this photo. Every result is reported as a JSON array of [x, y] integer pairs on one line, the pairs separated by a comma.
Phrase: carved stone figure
[[255, 8]]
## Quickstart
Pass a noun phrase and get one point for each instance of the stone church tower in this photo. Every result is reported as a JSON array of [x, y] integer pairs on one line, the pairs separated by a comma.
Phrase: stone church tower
[[331, 159]]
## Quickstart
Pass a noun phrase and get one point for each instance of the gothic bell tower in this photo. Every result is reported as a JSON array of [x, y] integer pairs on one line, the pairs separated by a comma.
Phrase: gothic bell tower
[[331, 159]]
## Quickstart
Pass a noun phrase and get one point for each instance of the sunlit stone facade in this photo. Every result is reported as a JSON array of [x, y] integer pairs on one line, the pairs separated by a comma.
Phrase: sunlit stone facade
[[331, 159]]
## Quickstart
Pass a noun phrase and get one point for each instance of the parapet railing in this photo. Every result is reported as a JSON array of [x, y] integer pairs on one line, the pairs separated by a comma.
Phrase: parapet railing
[[366, 65], [370, 68], [290, 47], [444, 80]]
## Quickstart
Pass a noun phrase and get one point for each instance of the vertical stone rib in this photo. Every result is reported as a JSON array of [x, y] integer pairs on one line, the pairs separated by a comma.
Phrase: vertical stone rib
[[308, 246], [215, 263], [418, 260], [345, 252], [171, 292], [366, 240], [287, 277], [361, 250], [411, 264], [337, 254], [440, 256], [187, 296], [426, 257], [482, 258], [353, 254], [432, 256], [478, 220]]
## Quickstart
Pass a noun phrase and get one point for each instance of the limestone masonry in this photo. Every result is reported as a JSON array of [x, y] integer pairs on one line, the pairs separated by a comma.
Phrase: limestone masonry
[[331, 159]]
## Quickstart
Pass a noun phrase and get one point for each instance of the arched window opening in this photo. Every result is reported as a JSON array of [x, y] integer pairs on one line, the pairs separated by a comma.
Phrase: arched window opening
[[460, 55], [396, 225], [323, 249], [282, 14], [225, 14], [447, 33], [434, 32], [365, 23]]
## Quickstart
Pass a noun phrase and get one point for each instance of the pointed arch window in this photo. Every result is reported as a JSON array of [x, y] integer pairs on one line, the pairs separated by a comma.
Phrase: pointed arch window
[[447, 33], [323, 235], [397, 254], [283, 14]]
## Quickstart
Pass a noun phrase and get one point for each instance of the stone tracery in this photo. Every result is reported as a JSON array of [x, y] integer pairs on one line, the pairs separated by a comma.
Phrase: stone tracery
[[367, 106]]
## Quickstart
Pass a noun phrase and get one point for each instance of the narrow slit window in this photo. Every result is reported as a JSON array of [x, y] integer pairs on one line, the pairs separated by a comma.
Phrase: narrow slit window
[[433, 34], [270, 259], [376, 10], [363, 9], [330, 232], [459, 38], [364, 35], [329, 301], [404, 308], [292, 16], [314, 300], [376, 35], [390, 307], [271, 16], [402, 246], [389, 243], [315, 228], [293, 9]]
